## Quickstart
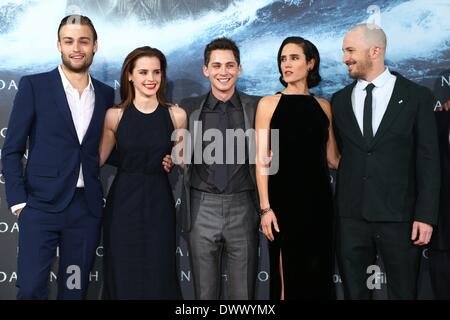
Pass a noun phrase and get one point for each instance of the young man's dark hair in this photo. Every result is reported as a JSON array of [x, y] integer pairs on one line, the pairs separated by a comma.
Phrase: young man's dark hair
[[78, 19], [221, 44]]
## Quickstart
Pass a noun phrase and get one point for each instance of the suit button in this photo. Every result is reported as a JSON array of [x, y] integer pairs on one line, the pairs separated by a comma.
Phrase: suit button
[[365, 178], [369, 153]]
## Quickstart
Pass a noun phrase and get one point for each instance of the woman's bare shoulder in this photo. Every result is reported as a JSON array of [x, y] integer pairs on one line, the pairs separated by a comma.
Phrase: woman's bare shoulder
[[113, 116], [269, 102]]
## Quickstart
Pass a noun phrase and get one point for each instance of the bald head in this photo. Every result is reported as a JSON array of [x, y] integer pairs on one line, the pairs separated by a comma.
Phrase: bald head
[[364, 47], [371, 34]]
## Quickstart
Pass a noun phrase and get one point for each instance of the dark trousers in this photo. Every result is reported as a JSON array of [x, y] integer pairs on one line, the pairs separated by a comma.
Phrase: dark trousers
[[75, 230], [224, 226], [358, 243], [440, 273]]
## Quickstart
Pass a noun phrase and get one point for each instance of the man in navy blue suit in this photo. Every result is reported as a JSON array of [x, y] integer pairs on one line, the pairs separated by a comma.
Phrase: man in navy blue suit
[[58, 196]]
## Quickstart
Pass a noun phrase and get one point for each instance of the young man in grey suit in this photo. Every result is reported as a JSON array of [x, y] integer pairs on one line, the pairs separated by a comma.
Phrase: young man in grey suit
[[388, 177], [219, 205]]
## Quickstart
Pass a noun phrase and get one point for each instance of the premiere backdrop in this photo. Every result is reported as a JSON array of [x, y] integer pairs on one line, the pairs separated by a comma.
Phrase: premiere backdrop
[[418, 33]]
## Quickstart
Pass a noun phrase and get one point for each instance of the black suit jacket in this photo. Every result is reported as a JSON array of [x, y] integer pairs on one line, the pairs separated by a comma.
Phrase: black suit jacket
[[441, 234], [396, 178], [193, 107]]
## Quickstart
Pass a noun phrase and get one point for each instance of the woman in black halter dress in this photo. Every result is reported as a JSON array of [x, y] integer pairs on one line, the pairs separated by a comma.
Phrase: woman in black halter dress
[[296, 199], [139, 225]]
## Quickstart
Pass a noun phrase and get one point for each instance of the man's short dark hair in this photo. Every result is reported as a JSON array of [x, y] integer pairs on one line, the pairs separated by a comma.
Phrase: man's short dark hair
[[78, 19], [221, 44]]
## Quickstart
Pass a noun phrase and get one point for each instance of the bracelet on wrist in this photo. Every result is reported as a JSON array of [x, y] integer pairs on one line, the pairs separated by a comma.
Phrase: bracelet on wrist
[[262, 212]]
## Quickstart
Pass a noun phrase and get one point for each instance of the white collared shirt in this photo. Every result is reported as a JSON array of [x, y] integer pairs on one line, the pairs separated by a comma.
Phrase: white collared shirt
[[381, 94], [81, 108]]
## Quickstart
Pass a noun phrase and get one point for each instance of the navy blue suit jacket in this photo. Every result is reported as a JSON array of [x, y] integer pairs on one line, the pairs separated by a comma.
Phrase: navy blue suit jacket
[[42, 115]]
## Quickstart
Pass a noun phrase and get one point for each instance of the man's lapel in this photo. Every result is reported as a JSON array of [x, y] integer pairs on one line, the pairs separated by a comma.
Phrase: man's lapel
[[97, 114], [396, 103], [248, 108], [349, 119], [61, 101], [195, 130]]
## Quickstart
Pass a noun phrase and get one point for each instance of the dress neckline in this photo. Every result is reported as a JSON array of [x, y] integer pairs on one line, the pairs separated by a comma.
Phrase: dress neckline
[[143, 113], [294, 94]]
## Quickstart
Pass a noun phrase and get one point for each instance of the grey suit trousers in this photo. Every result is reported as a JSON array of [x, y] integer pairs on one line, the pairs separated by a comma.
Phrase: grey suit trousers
[[224, 226]]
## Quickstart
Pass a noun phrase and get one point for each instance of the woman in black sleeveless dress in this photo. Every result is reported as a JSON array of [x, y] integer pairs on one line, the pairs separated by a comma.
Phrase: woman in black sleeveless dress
[[296, 197], [139, 225]]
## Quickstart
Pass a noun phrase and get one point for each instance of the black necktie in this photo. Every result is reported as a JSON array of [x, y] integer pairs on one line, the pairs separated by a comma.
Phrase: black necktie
[[221, 170], [367, 119]]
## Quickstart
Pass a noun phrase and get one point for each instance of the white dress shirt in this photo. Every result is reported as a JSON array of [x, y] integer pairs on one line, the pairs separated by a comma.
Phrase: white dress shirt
[[381, 94], [81, 108]]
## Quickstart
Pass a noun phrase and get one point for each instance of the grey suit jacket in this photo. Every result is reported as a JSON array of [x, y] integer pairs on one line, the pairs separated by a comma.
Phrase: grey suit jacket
[[193, 107]]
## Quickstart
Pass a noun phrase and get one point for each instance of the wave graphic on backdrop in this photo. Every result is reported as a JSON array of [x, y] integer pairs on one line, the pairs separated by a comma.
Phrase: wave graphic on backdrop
[[418, 35], [35, 34]]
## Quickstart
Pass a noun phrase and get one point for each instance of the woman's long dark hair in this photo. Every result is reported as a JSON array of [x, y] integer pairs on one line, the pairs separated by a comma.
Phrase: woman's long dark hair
[[127, 93]]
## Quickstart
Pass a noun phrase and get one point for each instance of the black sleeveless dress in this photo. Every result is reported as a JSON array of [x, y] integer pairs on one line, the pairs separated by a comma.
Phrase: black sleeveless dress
[[301, 197], [139, 226]]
